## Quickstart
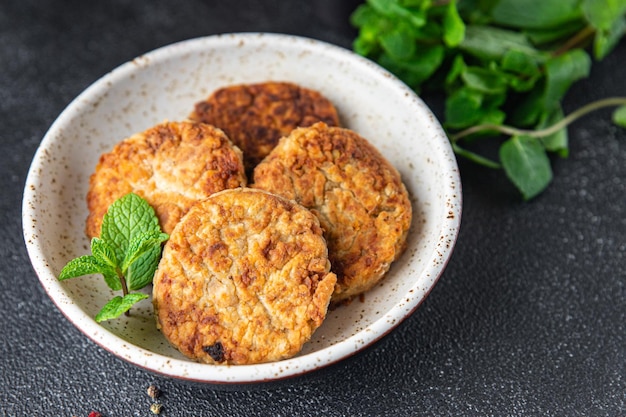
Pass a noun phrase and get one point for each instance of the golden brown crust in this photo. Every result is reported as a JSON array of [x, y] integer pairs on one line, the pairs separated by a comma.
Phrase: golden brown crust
[[171, 165], [244, 278], [255, 116], [355, 192]]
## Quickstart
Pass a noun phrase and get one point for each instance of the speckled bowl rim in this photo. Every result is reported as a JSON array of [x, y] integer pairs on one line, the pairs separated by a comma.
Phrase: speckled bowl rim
[[242, 374]]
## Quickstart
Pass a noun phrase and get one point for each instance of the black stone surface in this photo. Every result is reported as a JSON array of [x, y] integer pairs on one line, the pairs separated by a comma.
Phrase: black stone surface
[[529, 318]]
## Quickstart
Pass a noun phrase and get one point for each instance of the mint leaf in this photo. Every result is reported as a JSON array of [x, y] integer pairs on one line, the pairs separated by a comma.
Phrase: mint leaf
[[417, 69], [398, 43], [127, 253], [103, 252], [126, 218], [140, 245], [494, 56], [88, 264], [531, 107], [556, 142], [393, 9], [456, 69], [142, 258], [105, 256], [550, 35], [128, 221], [463, 108], [520, 62], [84, 265], [112, 280], [118, 306], [370, 25], [606, 40], [491, 44], [363, 15], [141, 272], [535, 14], [619, 116], [485, 80], [526, 164], [561, 72], [453, 25], [603, 14]]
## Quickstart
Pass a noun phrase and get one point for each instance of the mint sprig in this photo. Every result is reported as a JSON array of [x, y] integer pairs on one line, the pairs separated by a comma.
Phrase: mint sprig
[[503, 65], [127, 253]]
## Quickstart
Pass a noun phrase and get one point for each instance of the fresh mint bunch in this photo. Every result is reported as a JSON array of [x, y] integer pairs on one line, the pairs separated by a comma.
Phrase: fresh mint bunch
[[127, 253], [504, 66]]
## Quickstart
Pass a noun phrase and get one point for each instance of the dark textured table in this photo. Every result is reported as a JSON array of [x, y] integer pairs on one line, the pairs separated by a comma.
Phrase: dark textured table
[[528, 319]]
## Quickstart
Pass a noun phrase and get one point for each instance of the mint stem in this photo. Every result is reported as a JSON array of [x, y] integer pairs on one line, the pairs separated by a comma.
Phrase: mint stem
[[577, 40], [539, 133], [122, 279]]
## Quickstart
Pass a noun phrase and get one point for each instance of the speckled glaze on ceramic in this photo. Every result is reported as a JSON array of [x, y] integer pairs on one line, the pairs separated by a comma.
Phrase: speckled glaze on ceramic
[[164, 85]]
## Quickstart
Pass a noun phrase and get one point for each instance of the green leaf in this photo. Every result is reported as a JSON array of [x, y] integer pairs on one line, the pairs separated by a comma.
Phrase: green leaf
[[607, 18], [393, 9], [619, 116], [103, 252], [463, 108], [519, 62], [606, 40], [112, 280], [84, 265], [492, 117], [453, 26], [370, 25], [118, 306], [126, 218], [420, 4], [467, 106], [526, 164], [89, 264], [522, 83], [561, 72], [485, 80], [494, 101], [141, 244], [491, 44], [550, 35], [556, 142], [535, 14], [456, 69], [398, 43], [142, 258], [429, 34], [419, 68], [531, 108], [602, 14], [141, 272], [363, 15]]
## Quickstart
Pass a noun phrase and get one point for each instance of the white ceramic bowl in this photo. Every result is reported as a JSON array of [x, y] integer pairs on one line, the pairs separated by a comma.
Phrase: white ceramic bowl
[[165, 84]]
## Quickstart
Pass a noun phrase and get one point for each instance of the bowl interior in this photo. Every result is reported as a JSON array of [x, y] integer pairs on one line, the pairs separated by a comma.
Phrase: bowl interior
[[164, 85]]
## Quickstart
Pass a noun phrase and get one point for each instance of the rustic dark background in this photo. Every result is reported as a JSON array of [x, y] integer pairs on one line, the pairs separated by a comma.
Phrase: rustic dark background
[[529, 319]]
